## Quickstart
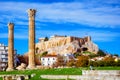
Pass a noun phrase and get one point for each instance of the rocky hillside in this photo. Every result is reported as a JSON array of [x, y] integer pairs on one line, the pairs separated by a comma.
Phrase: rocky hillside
[[61, 45]]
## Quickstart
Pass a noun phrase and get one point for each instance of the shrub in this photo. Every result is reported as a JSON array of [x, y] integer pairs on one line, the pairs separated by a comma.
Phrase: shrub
[[77, 54], [23, 59], [82, 61], [71, 63], [101, 53], [46, 39], [109, 61], [37, 60], [60, 61], [44, 53]]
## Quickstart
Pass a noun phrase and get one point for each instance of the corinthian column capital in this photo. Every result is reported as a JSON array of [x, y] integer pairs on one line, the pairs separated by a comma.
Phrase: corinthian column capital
[[11, 25], [31, 12]]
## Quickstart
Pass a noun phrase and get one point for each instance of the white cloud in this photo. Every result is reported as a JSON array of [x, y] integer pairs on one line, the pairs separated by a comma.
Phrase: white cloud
[[97, 35], [16, 36], [101, 36], [75, 12]]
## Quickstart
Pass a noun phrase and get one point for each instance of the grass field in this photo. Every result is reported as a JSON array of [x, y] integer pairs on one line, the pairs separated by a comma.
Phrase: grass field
[[62, 71], [107, 68]]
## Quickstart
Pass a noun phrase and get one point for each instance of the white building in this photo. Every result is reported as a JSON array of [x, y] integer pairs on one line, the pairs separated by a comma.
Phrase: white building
[[68, 57], [4, 56], [48, 60]]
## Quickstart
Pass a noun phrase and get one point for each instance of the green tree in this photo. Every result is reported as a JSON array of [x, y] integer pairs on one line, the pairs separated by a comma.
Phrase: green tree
[[37, 60], [109, 61], [82, 61], [117, 63], [101, 53], [60, 60], [23, 59], [116, 55], [44, 53], [46, 38], [36, 49], [77, 54], [71, 63]]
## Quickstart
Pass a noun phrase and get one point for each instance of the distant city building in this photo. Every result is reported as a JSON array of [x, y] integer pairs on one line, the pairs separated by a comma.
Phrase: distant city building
[[4, 56], [68, 57], [48, 60]]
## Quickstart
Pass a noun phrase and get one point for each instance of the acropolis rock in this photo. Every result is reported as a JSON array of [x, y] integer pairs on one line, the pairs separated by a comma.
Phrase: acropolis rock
[[62, 44]]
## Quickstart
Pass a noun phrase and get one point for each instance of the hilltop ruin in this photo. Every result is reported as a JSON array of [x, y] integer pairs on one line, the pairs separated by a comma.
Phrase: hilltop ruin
[[63, 44]]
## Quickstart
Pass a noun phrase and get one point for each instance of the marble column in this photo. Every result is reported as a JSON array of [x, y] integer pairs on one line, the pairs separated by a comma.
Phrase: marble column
[[10, 47], [31, 14]]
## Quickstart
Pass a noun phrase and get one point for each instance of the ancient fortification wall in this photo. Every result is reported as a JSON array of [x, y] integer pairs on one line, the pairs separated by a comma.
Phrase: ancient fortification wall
[[66, 44]]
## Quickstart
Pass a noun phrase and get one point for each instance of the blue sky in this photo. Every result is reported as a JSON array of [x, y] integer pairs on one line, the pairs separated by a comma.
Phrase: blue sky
[[98, 18]]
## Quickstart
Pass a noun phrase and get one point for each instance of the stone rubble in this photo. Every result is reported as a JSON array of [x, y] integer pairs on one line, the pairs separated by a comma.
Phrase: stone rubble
[[21, 67]]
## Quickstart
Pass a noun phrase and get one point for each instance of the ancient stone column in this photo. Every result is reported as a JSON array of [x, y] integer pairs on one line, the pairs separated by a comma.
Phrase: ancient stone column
[[10, 47], [31, 14]]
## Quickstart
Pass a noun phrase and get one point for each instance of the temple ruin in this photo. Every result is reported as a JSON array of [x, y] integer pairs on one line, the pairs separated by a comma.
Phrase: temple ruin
[[31, 14], [65, 44], [56, 44], [31, 63], [10, 47]]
